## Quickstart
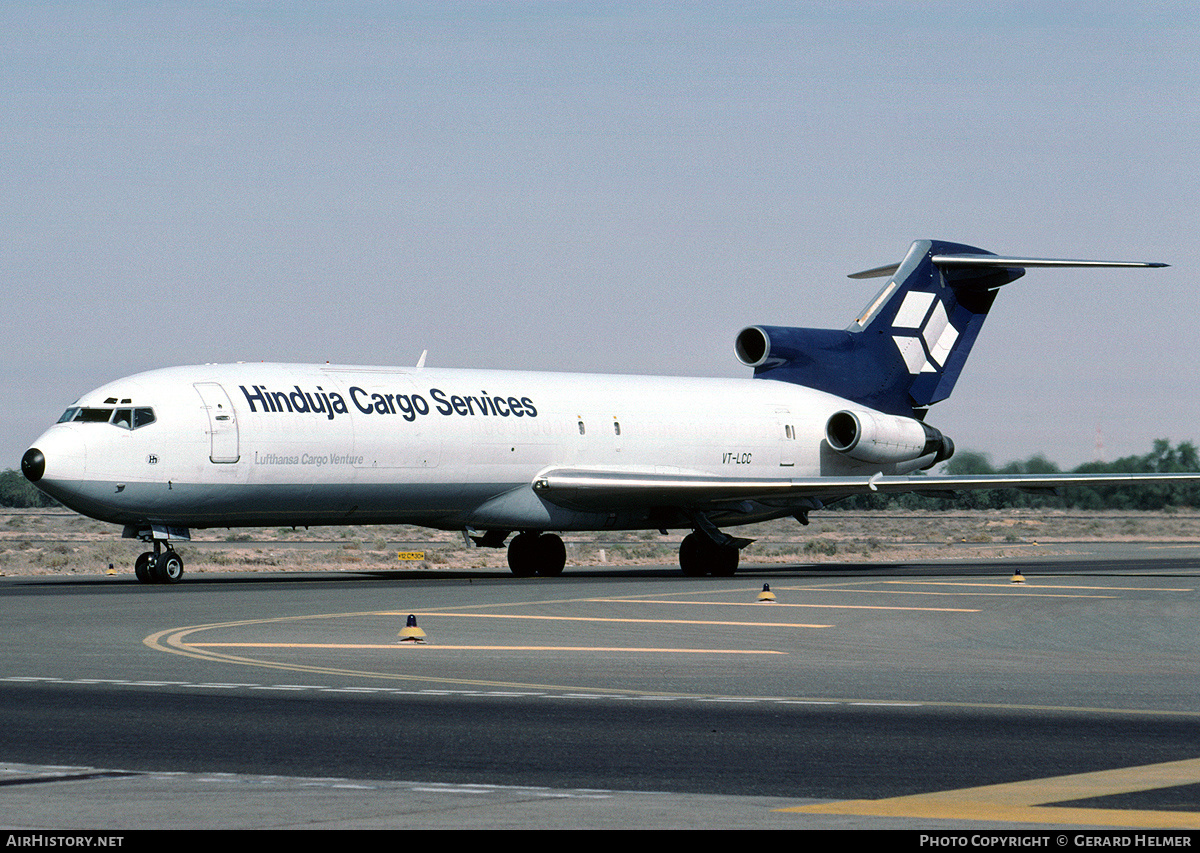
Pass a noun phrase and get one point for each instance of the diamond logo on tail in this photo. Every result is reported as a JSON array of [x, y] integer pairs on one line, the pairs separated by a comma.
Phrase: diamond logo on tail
[[926, 350]]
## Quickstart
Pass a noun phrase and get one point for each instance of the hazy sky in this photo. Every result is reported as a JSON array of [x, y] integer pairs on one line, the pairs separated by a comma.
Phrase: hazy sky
[[601, 187]]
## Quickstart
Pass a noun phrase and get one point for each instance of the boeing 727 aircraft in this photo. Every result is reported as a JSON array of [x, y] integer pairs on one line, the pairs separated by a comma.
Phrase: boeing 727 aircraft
[[828, 414]]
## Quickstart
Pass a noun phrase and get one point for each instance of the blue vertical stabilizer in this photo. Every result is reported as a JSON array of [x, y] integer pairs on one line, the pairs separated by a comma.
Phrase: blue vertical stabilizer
[[906, 350]]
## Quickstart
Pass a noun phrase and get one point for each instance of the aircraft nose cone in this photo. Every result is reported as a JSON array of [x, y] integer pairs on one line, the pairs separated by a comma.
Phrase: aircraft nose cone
[[33, 464]]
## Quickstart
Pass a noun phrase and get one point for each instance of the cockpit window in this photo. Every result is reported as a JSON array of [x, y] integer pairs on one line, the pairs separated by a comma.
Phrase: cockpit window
[[93, 416], [125, 418]]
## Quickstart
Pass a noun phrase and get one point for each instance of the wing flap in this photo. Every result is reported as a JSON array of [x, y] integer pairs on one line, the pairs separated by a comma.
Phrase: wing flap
[[605, 489]]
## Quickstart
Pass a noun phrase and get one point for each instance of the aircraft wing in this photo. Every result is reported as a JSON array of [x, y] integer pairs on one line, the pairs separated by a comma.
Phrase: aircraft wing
[[597, 489]]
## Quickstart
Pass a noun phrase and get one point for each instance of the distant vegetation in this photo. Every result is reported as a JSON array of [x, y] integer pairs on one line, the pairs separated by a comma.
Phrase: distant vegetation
[[17, 492], [1163, 459]]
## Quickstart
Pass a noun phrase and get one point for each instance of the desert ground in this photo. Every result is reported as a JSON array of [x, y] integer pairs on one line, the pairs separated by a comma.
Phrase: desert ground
[[43, 542]]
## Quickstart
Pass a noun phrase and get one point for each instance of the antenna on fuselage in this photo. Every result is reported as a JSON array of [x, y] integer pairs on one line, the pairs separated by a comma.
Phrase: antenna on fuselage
[[421, 360]]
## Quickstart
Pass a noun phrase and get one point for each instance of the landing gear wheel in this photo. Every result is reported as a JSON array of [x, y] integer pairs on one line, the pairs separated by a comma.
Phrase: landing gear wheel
[[532, 553], [551, 555], [724, 561], [168, 567], [699, 556], [141, 567], [691, 556], [522, 554]]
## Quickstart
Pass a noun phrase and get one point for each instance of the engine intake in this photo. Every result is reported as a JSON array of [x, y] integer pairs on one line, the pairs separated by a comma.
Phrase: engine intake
[[886, 439], [752, 346]]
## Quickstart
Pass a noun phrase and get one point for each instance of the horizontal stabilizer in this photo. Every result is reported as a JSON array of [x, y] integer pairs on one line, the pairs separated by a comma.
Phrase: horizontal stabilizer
[[985, 260], [997, 261], [877, 272]]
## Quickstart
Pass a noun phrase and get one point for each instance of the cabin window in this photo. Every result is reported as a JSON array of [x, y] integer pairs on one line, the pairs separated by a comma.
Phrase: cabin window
[[581, 429], [616, 427]]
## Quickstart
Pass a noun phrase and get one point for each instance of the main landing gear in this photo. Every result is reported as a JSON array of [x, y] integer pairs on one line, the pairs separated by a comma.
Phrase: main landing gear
[[159, 566], [533, 553], [699, 555]]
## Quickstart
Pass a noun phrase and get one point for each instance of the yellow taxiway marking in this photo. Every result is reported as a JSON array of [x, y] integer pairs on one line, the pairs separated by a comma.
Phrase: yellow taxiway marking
[[439, 614], [775, 604], [399, 645], [175, 641], [1024, 802], [1006, 588], [1041, 585], [1007, 591]]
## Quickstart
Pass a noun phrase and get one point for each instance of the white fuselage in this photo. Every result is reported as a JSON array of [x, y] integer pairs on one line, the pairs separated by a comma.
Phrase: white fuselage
[[276, 444]]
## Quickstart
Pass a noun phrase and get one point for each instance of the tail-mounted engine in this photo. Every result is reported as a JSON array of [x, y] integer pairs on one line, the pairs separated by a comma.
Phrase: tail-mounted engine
[[887, 439]]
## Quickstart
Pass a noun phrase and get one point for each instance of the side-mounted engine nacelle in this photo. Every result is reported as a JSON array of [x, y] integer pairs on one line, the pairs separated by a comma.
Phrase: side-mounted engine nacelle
[[887, 439], [764, 347]]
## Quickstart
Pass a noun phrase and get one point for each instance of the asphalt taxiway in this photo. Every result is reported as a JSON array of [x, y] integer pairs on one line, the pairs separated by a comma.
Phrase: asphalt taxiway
[[920, 695]]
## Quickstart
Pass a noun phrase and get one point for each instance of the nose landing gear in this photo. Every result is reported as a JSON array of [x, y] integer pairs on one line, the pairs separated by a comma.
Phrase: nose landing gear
[[163, 564], [159, 566]]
